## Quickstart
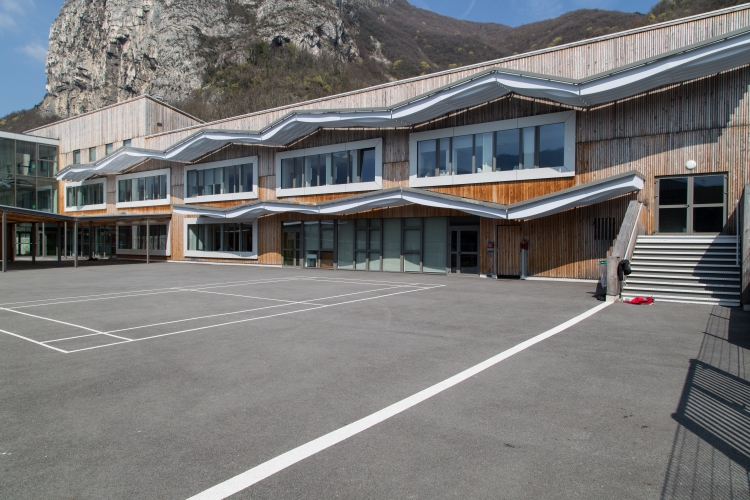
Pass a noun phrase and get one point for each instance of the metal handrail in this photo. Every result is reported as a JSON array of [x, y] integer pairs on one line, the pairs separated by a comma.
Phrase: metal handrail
[[737, 231]]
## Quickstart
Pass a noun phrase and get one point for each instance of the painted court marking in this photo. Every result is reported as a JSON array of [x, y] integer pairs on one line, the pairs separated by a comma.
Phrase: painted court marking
[[286, 303], [258, 473]]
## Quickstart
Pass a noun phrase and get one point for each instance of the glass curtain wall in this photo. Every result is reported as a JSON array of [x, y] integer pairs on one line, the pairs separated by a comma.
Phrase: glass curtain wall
[[27, 175], [395, 245]]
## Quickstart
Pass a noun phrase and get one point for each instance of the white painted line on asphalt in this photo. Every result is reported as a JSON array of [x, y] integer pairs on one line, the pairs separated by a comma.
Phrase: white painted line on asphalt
[[256, 319], [308, 302], [242, 296], [139, 293], [33, 341], [70, 338], [361, 281], [266, 469], [50, 319]]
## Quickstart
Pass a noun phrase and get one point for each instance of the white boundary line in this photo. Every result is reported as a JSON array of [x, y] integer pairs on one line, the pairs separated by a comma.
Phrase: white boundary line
[[252, 319], [96, 332], [311, 301], [138, 293], [34, 341], [291, 457]]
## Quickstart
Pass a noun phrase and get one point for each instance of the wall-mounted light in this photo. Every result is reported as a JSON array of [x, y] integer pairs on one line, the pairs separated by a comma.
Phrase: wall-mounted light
[[690, 164]]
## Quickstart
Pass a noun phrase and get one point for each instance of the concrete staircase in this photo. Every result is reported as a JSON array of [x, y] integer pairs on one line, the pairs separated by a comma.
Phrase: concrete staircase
[[692, 269]]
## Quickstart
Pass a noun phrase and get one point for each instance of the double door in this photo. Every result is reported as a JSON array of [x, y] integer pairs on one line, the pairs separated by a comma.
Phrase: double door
[[691, 204], [291, 244]]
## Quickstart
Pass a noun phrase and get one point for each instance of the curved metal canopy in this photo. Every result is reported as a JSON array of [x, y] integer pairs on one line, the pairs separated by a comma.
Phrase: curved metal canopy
[[694, 61], [559, 201]]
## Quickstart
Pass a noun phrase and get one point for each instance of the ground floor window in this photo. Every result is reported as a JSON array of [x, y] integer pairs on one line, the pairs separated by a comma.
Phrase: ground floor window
[[136, 237], [412, 244], [205, 238]]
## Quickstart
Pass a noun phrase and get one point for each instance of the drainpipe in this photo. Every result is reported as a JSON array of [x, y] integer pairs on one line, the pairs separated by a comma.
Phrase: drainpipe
[[524, 251]]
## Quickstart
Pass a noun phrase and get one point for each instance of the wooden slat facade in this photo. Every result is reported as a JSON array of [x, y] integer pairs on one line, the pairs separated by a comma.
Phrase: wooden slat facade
[[655, 133]]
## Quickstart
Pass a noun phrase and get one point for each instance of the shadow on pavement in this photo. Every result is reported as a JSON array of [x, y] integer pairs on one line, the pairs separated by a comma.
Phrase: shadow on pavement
[[711, 450]]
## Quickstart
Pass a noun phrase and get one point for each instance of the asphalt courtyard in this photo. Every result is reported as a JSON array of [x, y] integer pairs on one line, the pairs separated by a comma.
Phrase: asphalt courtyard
[[168, 381]]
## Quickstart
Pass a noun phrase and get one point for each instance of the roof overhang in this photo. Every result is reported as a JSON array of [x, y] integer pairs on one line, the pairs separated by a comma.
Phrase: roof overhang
[[559, 201], [694, 61]]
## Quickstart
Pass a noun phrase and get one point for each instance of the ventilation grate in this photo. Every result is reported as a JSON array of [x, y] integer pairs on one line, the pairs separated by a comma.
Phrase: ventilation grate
[[605, 229]]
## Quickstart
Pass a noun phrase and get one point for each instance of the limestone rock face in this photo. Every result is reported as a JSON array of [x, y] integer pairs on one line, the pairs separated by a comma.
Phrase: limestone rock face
[[105, 51]]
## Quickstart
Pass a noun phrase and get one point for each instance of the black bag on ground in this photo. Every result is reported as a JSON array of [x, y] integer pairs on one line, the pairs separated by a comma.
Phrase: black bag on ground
[[623, 269]]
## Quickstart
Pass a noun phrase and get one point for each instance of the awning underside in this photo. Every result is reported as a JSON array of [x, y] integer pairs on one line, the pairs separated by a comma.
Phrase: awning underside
[[577, 196], [695, 61]]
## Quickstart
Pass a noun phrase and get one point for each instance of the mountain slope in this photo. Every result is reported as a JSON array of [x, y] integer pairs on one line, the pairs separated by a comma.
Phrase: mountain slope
[[220, 58]]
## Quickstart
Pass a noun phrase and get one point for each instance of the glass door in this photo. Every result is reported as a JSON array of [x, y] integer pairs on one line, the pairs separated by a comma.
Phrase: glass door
[[691, 204], [464, 251], [291, 244]]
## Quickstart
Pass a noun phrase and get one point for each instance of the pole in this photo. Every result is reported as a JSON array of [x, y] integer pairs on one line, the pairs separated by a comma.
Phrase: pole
[[523, 263], [58, 241], [148, 241], [33, 241], [65, 238], [5, 242], [75, 244], [91, 242]]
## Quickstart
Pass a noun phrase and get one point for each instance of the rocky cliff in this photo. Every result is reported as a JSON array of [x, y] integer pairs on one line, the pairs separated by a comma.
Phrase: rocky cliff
[[105, 51]]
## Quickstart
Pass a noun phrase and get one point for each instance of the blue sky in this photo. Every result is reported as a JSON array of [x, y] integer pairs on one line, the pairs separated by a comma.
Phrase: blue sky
[[24, 33]]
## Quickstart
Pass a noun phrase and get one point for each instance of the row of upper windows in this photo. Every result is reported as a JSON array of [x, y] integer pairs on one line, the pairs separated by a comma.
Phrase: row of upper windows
[[527, 148], [108, 150]]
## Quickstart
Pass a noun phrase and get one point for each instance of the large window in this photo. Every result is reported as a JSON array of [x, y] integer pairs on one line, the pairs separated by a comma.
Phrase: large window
[[535, 147], [88, 195], [398, 245], [341, 167], [132, 239], [205, 238], [143, 188], [27, 171], [230, 180], [330, 169]]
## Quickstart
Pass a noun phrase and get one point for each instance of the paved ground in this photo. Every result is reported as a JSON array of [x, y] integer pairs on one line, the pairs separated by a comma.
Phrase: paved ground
[[143, 404]]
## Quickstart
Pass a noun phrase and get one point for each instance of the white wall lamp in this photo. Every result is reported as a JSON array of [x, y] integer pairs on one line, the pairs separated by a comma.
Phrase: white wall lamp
[[690, 164]]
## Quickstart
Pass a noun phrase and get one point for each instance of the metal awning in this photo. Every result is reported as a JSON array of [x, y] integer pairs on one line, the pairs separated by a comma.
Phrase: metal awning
[[693, 61], [559, 201]]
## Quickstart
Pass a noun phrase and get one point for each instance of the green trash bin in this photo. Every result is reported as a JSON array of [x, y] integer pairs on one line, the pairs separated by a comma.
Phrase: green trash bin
[[603, 273]]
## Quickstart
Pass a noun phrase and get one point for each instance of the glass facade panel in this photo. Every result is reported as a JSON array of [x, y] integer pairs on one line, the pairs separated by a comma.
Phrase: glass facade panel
[[311, 243], [367, 166], [463, 154], [528, 144], [412, 240], [47, 161], [673, 220], [552, 145], [483, 152], [444, 156], [234, 237], [435, 244], [708, 189], [507, 150], [673, 191], [427, 158], [411, 262], [708, 219], [85, 194], [26, 158], [392, 245], [345, 244], [340, 170]]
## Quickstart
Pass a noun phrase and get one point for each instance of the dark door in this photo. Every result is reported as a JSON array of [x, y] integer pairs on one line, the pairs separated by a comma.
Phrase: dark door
[[691, 204], [291, 244], [464, 251]]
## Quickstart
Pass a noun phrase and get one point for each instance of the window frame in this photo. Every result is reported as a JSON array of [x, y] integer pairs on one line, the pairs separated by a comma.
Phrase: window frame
[[219, 255], [566, 117], [144, 203], [351, 187], [246, 195], [134, 251], [83, 208]]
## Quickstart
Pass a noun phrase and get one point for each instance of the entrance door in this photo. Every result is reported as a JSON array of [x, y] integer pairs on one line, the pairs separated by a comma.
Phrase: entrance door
[[291, 244], [691, 204], [464, 251], [508, 250]]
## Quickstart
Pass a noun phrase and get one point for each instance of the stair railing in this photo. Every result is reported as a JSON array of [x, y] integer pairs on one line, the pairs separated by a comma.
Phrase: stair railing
[[623, 246]]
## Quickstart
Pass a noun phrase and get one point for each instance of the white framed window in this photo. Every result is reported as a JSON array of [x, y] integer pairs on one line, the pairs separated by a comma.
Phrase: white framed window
[[534, 147], [132, 238], [221, 239], [143, 189], [339, 168], [86, 195], [235, 179]]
